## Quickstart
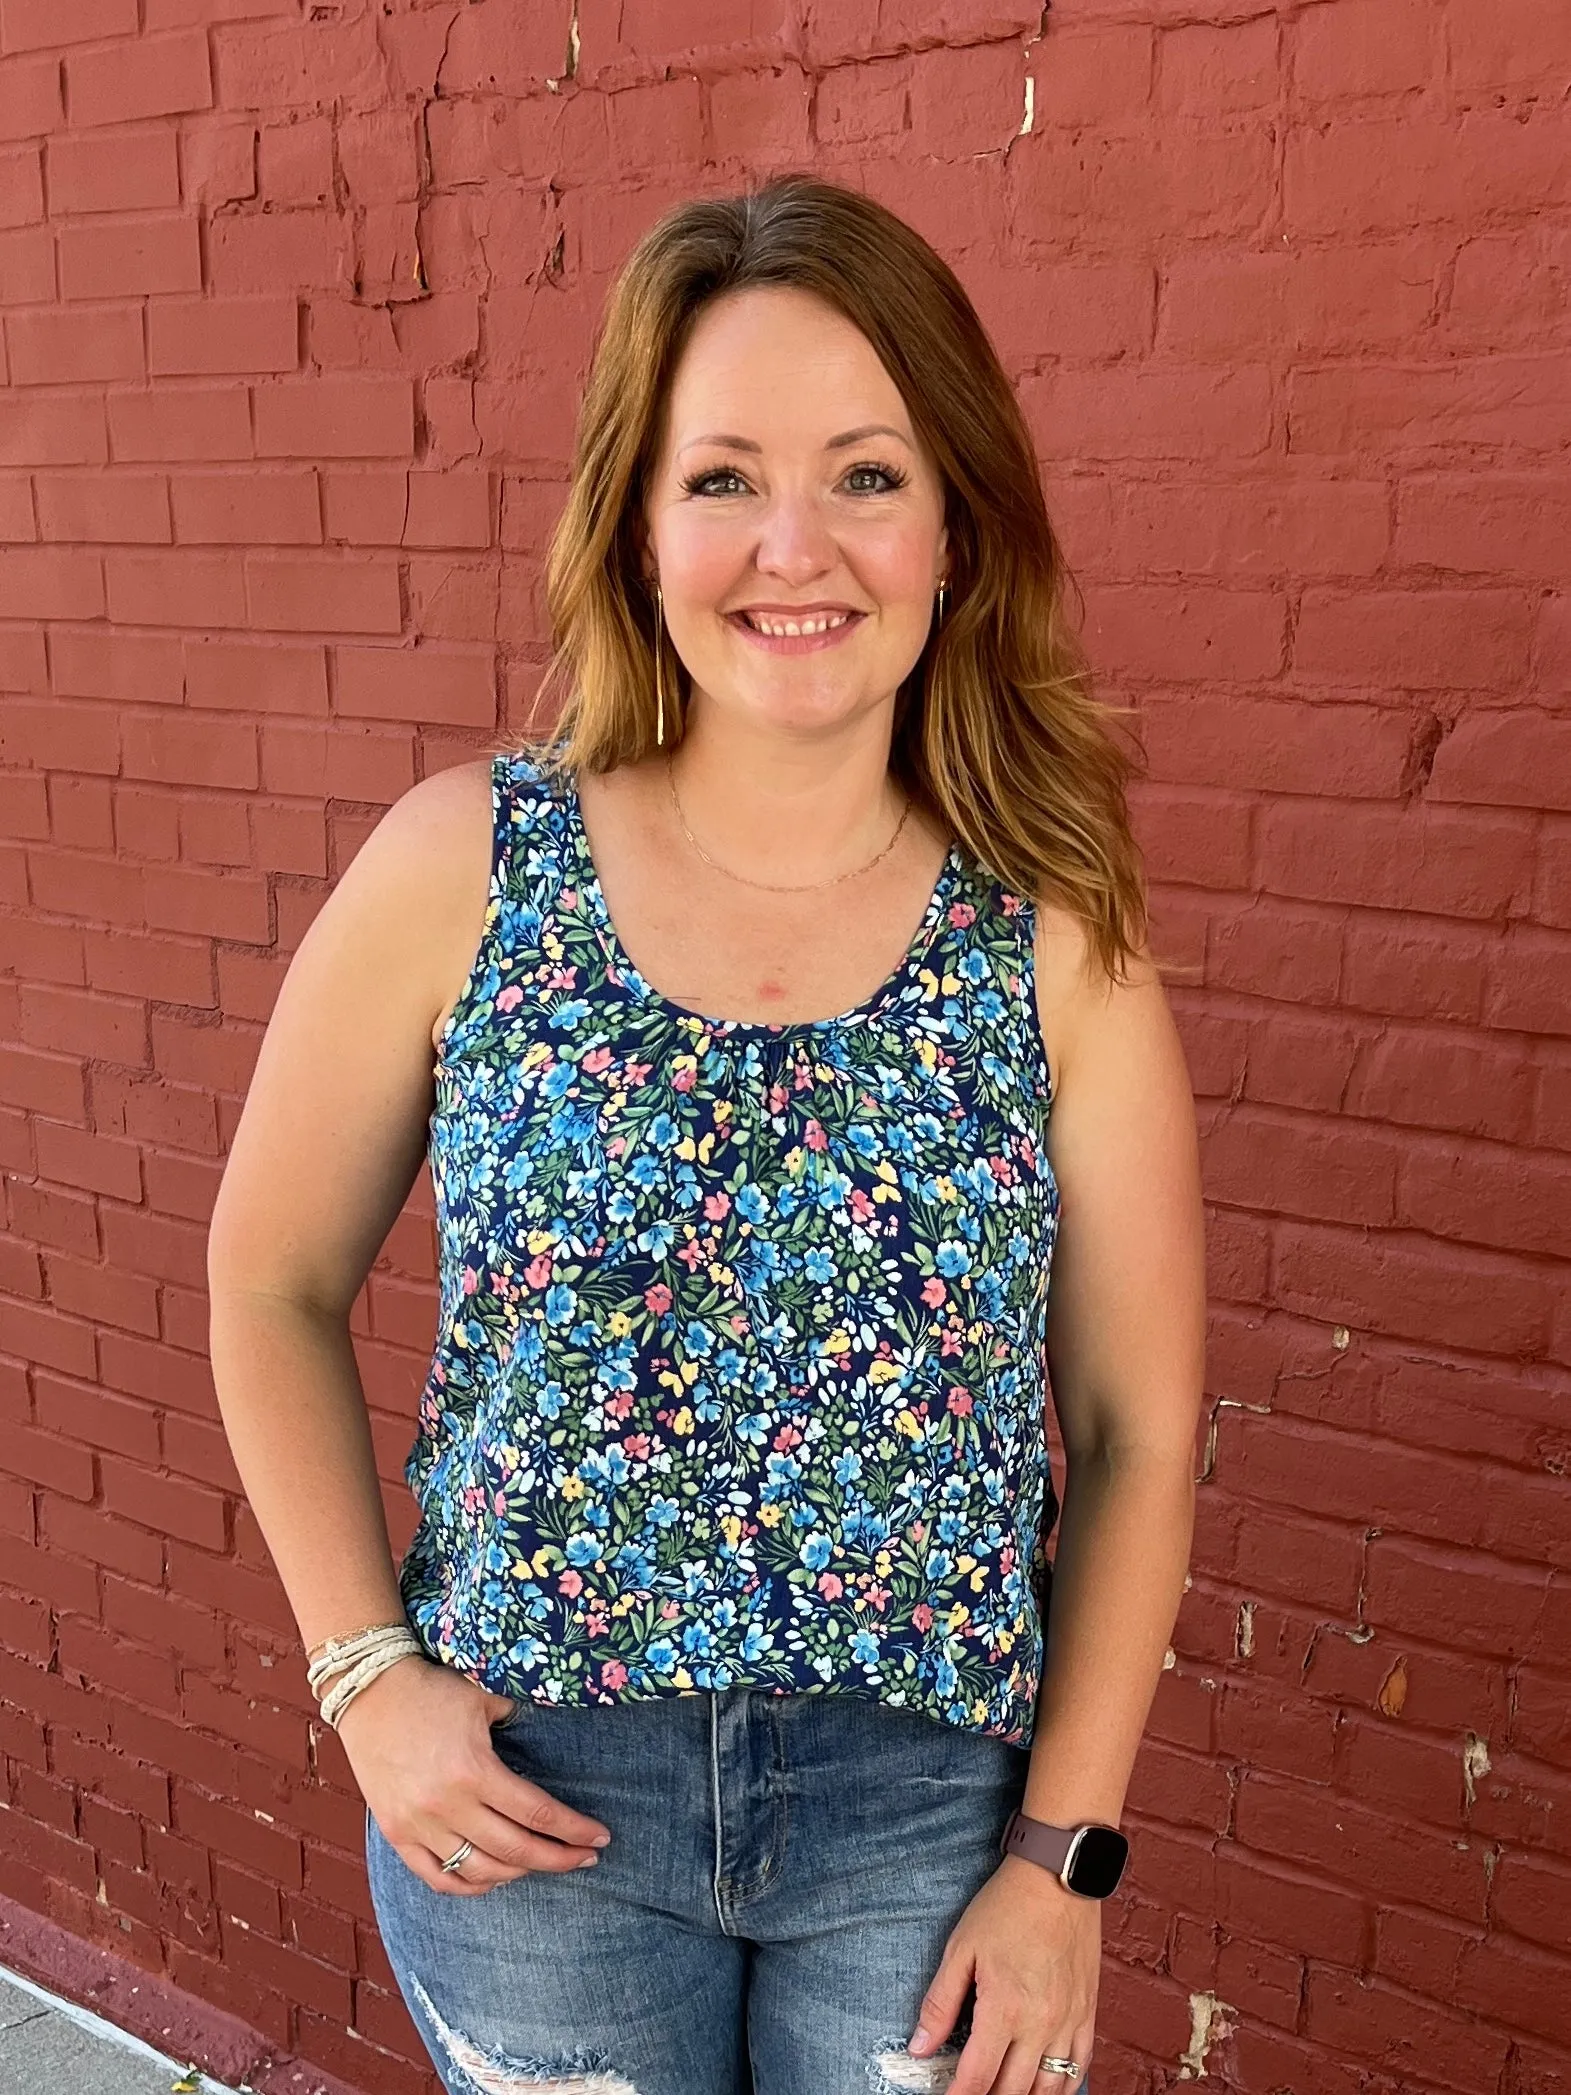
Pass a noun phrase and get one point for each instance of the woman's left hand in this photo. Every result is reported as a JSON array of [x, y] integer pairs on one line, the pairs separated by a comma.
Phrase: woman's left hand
[[1033, 1951]]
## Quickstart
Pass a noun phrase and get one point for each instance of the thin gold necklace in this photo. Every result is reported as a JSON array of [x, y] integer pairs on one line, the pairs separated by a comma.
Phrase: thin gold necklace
[[771, 886]]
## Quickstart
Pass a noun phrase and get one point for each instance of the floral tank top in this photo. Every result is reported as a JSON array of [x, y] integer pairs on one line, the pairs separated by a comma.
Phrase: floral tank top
[[739, 1370]]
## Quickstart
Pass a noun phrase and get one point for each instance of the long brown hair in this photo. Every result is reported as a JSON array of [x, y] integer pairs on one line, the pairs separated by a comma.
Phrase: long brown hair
[[996, 729]]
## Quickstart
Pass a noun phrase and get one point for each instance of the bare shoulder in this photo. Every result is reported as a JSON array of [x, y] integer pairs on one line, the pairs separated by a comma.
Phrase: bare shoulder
[[413, 898], [1082, 1010], [440, 824]]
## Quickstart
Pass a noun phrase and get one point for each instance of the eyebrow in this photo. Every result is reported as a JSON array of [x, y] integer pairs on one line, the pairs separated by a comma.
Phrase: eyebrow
[[834, 443]]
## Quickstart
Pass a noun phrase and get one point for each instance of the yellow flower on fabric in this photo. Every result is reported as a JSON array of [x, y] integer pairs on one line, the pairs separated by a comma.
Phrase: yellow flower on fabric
[[958, 1616], [619, 1323], [540, 1562], [1006, 1640], [965, 1563], [884, 1371], [687, 1149], [731, 1528], [683, 1422], [908, 1423], [770, 1516], [682, 1677], [838, 1341], [540, 1240], [689, 1372], [574, 1487]]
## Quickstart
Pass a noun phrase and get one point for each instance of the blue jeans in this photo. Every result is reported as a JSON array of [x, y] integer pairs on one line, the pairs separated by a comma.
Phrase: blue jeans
[[783, 1874]]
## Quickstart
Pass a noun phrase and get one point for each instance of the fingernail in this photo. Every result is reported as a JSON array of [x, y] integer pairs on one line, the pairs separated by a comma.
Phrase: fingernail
[[589, 1862], [601, 1840], [920, 2040]]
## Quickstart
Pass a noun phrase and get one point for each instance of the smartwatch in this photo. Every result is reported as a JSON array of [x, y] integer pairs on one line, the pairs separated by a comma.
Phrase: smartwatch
[[1087, 1859]]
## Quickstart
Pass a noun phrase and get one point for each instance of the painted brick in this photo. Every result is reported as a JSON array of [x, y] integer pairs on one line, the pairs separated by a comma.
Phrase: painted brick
[[1281, 292]]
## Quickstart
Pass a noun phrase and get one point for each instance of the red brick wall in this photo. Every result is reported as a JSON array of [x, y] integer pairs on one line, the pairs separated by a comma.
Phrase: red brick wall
[[297, 298]]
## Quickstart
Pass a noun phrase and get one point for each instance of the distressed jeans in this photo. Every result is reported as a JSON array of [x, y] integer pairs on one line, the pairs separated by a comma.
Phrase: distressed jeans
[[783, 1874]]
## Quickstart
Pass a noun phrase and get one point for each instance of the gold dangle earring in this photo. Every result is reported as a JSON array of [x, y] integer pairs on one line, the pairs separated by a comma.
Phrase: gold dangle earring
[[943, 600], [659, 676]]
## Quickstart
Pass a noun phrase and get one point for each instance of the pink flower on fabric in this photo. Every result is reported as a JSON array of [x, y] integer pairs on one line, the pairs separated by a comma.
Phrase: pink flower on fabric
[[597, 1060], [934, 1292], [658, 1298], [682, 1079], [831, 1587], [961, 914], [814, 1136], [922, 1615], [571, 1583], [613, 1674], [960, 1400], [717, 1206], [510, 998], [538, 1271]]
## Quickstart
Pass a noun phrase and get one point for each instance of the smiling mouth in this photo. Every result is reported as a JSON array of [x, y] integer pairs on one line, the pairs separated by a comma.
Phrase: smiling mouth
[[794, 628]]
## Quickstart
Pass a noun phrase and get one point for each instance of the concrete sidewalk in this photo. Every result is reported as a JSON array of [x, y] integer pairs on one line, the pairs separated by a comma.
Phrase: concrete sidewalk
[[48, 2044]]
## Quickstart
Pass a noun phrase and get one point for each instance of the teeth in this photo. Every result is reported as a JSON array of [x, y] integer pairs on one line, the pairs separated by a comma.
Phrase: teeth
[[786, 628]]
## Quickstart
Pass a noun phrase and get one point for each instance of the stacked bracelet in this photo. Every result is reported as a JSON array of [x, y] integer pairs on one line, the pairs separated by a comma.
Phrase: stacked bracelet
[[339, 1668]]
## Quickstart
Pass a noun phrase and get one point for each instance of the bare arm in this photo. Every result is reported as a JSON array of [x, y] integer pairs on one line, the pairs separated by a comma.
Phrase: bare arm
[[330, 1141], [1126, 1354]]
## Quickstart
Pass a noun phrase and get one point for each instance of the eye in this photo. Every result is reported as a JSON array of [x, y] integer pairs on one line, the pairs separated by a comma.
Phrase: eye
[[701, 483], [891, 477]]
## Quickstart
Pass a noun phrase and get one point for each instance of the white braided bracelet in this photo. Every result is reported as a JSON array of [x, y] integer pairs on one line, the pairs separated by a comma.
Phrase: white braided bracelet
[[343, 1666]]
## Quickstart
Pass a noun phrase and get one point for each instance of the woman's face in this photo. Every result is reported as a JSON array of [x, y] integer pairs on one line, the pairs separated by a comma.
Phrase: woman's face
[[790, 489]]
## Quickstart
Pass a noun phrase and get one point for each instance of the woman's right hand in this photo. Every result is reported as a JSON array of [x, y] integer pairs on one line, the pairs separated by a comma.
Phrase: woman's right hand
[[418, 1739]]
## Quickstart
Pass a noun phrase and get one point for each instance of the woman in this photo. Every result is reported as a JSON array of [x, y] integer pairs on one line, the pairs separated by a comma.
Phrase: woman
[[780, 1004]]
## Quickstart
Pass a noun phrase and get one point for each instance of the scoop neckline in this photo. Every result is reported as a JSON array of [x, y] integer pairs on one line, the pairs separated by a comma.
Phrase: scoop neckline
[[588, 884]]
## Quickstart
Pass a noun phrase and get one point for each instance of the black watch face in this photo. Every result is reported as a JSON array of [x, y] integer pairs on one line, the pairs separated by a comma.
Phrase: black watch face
[[1099, 1862]]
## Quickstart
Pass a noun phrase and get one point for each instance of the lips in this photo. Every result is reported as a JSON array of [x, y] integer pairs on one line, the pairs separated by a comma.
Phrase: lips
[[783, 625]]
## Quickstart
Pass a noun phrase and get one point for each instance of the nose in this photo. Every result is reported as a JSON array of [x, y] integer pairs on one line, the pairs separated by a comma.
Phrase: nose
[[794, 540]]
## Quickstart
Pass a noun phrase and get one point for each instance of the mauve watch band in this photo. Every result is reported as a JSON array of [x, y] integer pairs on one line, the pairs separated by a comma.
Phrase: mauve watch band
[[1048, 1845]]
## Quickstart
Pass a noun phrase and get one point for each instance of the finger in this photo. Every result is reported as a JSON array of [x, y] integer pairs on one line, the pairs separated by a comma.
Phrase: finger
[[1077, 2047], [516, 1797], [1023, 2073], [981, 2058], [425, 1865], [941, 2005], [506, 1845]]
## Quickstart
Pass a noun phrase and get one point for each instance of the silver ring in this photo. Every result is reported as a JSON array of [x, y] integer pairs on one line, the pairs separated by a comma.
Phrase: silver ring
[[456, 1861], [1052, 2065]]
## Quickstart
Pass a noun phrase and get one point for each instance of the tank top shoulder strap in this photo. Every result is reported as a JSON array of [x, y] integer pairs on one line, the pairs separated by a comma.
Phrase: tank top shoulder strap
[[527, 856]]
